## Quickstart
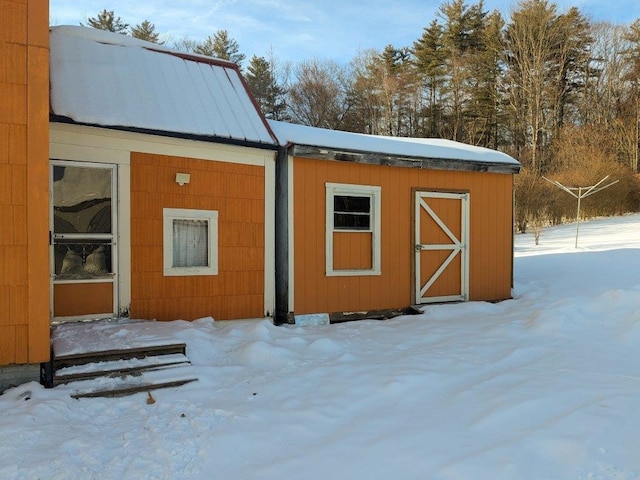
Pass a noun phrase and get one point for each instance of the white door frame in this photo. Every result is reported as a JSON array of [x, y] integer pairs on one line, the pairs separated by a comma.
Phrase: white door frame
[[458, 246], [113, 236]]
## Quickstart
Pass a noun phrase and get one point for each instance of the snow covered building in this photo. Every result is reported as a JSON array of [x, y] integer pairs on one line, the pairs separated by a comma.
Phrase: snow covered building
[[144, 182], [161, 172], [368, 223], [135, 180]]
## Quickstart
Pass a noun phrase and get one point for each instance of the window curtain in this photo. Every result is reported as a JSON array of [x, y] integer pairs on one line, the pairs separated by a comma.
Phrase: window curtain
[[190, 243]]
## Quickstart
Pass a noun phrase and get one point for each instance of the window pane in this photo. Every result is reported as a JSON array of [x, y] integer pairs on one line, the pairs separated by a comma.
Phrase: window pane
[[351, 212], [190, 243], [351, 204], [351, 221], [81, 200], [77, 260]]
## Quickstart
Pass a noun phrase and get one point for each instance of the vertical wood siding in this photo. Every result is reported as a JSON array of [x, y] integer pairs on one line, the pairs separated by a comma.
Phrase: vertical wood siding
[[490, 249], [352, 251], [24, 123], [237, 193], [79, 298]]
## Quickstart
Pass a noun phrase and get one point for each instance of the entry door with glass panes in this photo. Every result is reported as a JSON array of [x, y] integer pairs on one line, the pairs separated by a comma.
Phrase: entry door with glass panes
[[83, 240]]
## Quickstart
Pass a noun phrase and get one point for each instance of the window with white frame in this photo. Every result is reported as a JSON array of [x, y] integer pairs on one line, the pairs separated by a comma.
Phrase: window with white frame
[[190, 242], [352, 229]]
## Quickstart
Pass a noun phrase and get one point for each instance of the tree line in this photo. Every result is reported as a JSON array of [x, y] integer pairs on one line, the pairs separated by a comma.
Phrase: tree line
[[551, 88]]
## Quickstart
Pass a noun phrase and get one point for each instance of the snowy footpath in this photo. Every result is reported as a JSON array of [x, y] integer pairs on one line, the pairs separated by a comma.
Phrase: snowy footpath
[[545, 386]]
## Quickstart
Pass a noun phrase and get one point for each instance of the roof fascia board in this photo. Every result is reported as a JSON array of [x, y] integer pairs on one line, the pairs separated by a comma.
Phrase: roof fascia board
[[373, 158]]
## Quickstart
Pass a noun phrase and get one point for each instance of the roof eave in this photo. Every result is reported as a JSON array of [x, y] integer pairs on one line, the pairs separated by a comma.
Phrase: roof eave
[[376, 158], [185, 136]]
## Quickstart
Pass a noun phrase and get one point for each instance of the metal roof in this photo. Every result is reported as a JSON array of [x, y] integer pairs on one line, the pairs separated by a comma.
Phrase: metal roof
[[432, 153], [112, 80]]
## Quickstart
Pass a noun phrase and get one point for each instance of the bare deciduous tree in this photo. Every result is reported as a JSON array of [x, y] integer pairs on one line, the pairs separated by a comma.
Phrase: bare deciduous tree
[[318, 95]]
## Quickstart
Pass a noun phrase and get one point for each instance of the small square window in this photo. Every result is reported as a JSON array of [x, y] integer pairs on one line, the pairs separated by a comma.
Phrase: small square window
[[190, 242]]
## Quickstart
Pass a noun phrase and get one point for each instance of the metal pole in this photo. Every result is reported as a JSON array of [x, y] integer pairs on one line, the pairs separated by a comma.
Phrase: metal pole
[[587, 191], [578, 215]]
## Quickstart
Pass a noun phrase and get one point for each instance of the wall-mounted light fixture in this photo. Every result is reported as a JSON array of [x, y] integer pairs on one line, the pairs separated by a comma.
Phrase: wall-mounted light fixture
[[182, 178]]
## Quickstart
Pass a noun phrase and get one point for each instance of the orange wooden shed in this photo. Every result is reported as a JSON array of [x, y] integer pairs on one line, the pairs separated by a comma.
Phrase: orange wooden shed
[[161, 167], [367, 224], [142, 192], [136, 181]]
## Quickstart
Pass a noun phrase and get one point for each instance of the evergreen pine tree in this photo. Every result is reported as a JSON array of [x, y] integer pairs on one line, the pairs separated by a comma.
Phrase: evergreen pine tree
[[106, 20], [430, 61], [146, 31], [264, 87], [220, 45]]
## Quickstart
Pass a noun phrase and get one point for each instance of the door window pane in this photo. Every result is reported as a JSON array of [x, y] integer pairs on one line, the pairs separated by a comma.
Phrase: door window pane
[[81, 200], [78, 260]]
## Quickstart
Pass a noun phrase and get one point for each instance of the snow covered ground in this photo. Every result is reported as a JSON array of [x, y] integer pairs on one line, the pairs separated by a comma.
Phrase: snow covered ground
[[544, 386]]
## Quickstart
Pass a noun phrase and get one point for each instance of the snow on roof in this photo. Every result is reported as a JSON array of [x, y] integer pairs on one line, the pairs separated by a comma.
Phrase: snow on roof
[[430, 148], [109, 79]]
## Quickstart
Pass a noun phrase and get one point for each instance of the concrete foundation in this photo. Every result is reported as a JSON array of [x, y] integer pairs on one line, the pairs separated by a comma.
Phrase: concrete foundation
[[14, 375]]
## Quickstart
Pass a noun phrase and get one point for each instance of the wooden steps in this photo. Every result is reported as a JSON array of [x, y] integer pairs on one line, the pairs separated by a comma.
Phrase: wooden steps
[[137, 367], [114, 385], [119, 367], [62, 361]]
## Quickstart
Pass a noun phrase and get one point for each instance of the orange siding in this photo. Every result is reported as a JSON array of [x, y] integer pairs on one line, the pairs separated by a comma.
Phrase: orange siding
[[352, 250], [79, 298], [7, 344], [24, 124], [490, 250], [237, 193]]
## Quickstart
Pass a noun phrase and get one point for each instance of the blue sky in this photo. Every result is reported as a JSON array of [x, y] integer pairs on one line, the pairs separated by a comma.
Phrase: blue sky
[[304, 29]]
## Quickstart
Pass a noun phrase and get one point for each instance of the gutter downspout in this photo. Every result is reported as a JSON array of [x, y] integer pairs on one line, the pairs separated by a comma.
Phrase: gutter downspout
[[282, 314]]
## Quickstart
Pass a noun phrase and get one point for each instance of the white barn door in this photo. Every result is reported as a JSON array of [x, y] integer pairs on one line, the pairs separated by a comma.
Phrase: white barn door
[[441, 246]]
